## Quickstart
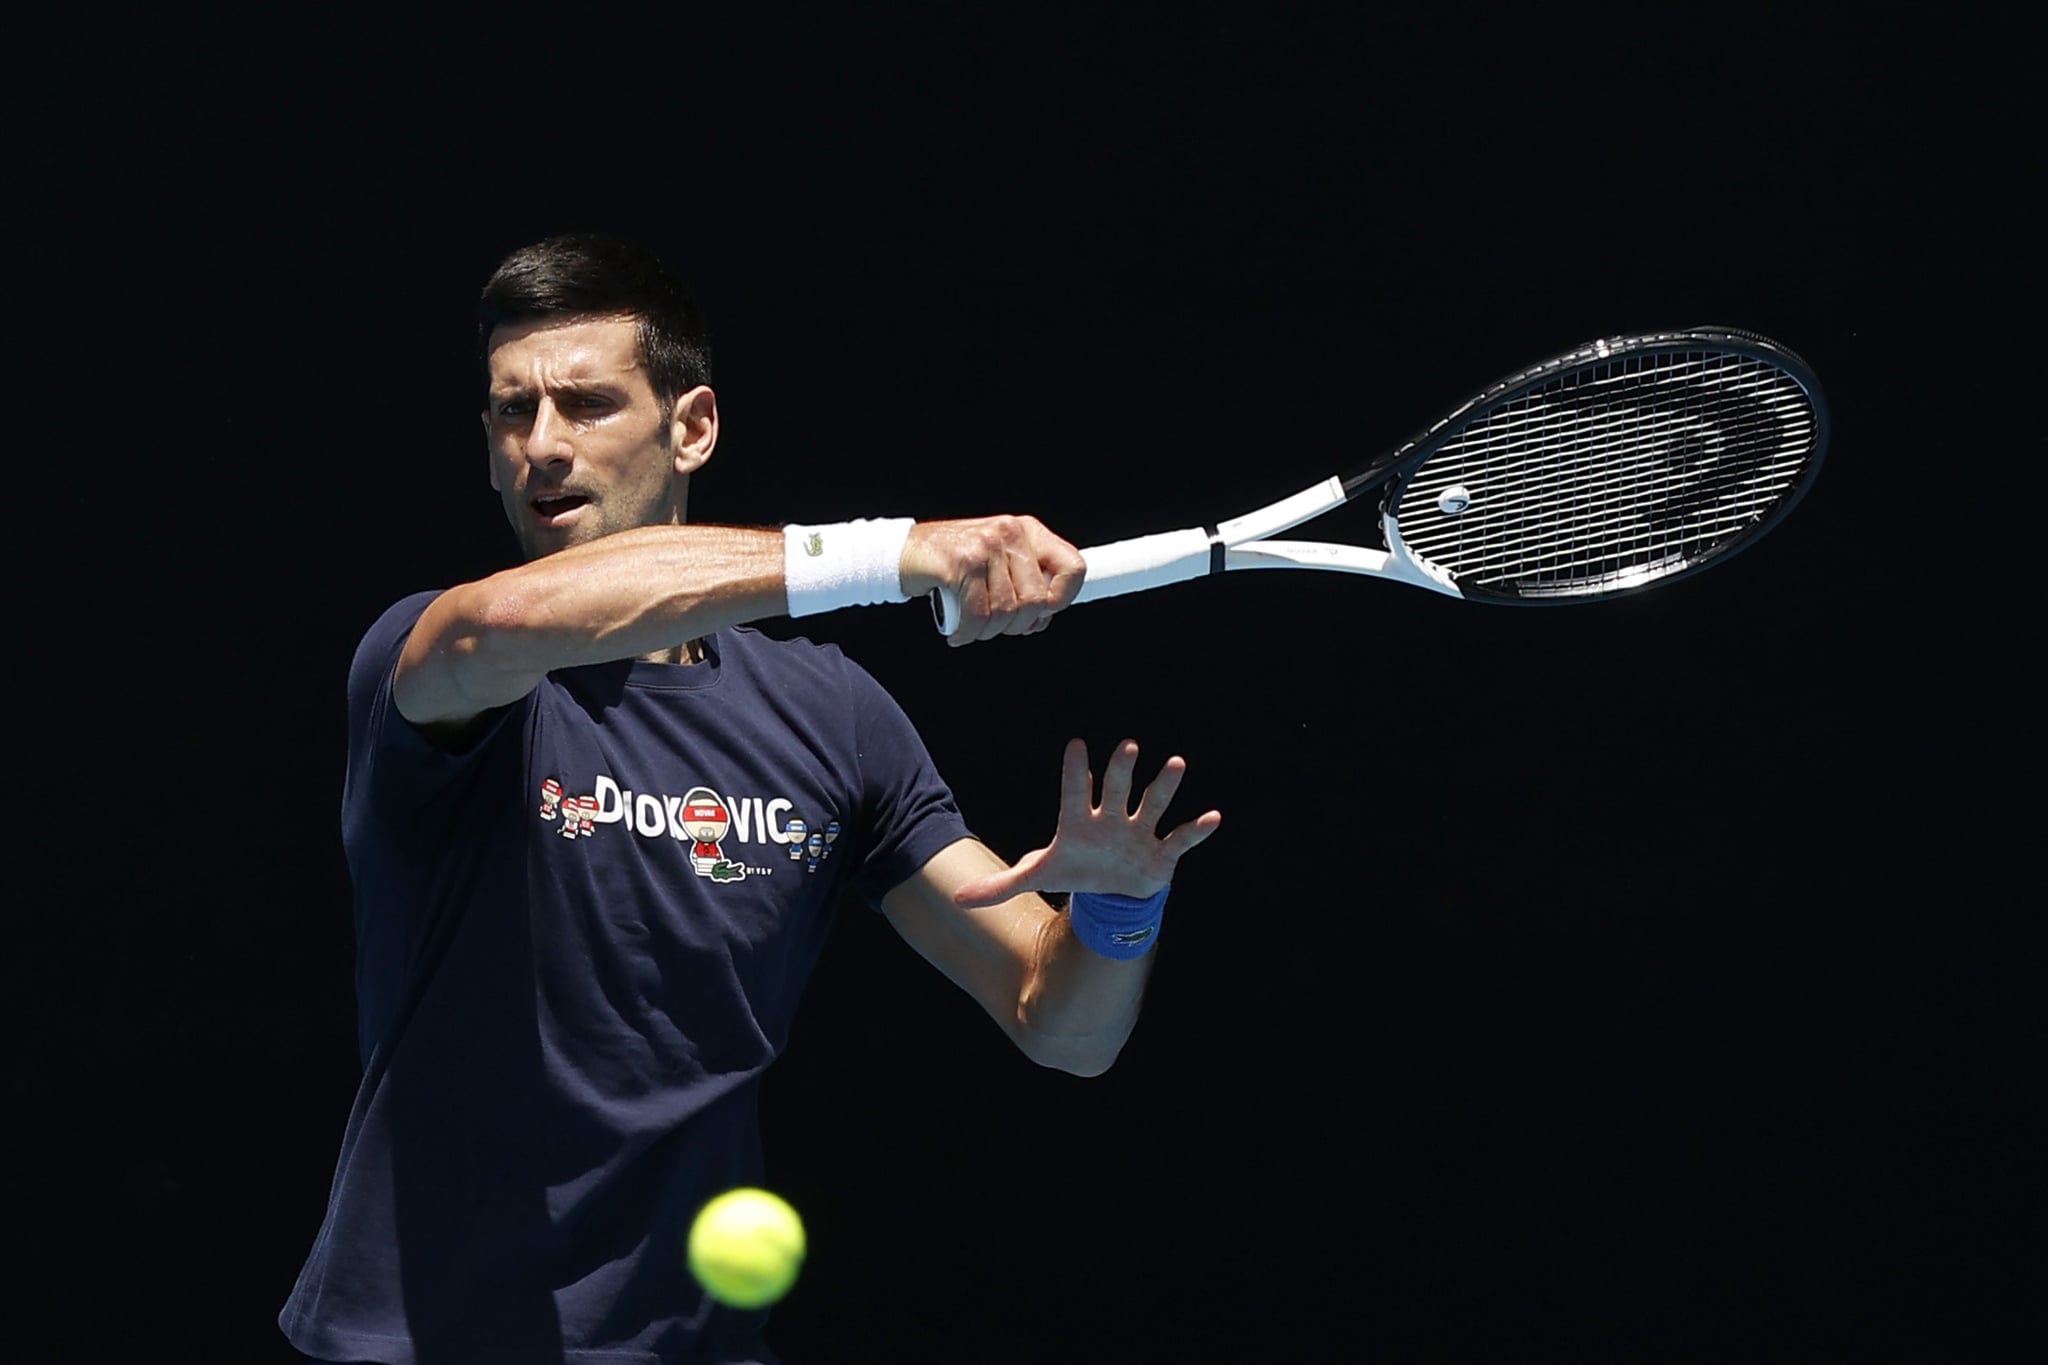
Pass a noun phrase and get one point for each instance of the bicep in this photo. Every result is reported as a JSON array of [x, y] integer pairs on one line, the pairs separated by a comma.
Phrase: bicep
[[992, 952]]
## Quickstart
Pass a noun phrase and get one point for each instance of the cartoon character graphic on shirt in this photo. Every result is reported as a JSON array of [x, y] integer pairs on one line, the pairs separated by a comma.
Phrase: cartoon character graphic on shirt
[[706, 820], [796, 829], [578, 813], [575, 811]]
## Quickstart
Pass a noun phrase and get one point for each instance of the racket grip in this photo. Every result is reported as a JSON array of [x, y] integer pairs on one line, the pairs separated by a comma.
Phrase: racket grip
[[1114, 569], [1144, 562]]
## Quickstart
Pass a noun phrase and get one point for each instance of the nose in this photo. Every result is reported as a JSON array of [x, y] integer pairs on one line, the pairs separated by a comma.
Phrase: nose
[[547, 440]]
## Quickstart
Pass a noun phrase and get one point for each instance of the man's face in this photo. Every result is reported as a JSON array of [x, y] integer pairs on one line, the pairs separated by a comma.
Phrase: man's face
[[579, 445]]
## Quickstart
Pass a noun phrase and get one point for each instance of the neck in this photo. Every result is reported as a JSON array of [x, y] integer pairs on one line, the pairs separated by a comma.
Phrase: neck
[[688, 652]]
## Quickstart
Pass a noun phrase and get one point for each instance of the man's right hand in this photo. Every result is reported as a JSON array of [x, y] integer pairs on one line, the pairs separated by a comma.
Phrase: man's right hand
[[1009, 574]]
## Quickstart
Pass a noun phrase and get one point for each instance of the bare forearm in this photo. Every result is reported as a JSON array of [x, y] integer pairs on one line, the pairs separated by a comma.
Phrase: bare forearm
[[1078, 1007], [631, 594]]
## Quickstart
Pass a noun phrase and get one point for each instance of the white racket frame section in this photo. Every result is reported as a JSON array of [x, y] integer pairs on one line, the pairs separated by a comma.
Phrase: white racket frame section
[[1154, 561]]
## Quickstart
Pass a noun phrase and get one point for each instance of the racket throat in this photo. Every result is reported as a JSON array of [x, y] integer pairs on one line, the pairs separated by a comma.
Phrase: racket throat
[[1403, 565]]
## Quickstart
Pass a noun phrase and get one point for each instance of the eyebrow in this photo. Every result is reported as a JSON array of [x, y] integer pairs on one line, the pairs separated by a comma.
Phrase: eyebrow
[[584, 386]]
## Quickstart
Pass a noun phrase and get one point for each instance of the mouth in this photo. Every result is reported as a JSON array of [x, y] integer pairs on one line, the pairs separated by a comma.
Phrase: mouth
[[555, 509]]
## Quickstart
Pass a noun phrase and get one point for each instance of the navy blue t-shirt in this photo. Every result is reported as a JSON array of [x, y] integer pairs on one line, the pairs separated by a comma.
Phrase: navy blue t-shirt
[[581, 937]]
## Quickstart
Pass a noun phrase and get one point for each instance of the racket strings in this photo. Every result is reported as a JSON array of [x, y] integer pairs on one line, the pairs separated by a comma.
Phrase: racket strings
[[1613, 473], [1593, 547], [1600, 493], [1595, 428], [1593, 475]]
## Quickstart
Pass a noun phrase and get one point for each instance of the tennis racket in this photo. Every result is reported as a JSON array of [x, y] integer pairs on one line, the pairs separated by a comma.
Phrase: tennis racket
[[1625, 463]]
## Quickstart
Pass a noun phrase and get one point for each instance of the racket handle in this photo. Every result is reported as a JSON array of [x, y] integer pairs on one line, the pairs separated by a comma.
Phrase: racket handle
[[1114, 569], [1145, 562]]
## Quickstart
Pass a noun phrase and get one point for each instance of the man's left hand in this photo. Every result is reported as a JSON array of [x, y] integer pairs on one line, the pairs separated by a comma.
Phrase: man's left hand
[[1105, 848]]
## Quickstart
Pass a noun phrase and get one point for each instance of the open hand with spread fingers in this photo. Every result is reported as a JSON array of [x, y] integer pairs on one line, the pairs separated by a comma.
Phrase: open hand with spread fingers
[[1105, 848]]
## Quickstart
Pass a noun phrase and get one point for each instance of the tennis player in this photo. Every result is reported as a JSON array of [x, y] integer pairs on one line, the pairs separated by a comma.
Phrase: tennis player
[[597, 828]]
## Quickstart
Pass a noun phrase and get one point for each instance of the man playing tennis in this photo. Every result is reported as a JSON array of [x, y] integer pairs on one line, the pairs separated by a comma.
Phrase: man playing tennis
[[562, 1037]]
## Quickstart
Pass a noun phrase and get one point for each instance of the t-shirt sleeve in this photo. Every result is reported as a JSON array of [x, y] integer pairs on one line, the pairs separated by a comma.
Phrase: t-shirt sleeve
[[394, 767], [911, 813]]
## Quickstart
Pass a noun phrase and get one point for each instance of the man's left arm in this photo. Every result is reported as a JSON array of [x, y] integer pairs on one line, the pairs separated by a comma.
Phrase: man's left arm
[[982, 922]]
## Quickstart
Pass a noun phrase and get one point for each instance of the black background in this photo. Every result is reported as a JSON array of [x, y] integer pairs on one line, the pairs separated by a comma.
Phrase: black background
[[1638, 982]]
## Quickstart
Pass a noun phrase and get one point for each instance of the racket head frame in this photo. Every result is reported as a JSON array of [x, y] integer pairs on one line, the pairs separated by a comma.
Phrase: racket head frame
[[1398, 469]]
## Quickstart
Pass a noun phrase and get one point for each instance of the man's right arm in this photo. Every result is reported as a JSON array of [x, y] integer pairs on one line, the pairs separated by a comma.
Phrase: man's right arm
[[488, 643]]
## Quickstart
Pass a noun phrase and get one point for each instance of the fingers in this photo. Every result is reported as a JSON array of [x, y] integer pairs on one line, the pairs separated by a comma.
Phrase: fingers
[[1019, 594], [993, 889], [1100, 848], [1152, 805], [1077, 784], [1010, 574], [1064, 569], [1116, 778], [997, 887], [1174, 845]]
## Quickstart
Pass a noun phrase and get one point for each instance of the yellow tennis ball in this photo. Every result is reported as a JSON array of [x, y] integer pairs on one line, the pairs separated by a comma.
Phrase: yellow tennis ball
[[746, 1246]]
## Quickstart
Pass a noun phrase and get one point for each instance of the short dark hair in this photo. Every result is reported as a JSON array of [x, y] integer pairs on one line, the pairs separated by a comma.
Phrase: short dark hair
[[592, 273]]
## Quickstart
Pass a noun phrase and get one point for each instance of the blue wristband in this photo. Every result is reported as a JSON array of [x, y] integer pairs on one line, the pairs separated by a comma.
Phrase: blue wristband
[[1121, 927]]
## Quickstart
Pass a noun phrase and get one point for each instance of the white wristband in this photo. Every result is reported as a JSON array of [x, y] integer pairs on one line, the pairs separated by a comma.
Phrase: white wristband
[[845, 564]]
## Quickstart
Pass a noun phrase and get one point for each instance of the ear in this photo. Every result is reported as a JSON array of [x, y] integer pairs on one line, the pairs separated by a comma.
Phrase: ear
[[486, 415], [693, 428]]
